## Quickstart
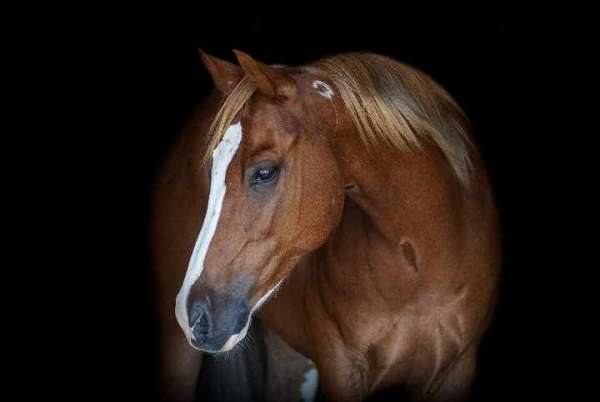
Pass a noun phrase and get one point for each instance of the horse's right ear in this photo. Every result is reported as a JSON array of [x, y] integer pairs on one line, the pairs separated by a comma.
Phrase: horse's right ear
[[270, 81], [225, 75]]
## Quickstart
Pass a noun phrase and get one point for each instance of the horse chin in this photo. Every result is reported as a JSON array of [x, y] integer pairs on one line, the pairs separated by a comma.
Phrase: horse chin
[[233, 341], [228, 346]]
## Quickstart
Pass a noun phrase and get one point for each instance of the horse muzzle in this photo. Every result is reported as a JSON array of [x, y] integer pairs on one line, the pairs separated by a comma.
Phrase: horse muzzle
[[215, 323]]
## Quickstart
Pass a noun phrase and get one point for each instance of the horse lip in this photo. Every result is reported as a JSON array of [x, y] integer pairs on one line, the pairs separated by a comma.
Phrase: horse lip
[[203, 349]]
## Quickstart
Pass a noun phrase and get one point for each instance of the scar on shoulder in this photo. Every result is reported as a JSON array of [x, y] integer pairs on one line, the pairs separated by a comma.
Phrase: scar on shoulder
[[408, 251]]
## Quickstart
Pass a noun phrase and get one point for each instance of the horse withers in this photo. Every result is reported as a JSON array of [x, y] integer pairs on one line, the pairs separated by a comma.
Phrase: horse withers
[[347, 199]]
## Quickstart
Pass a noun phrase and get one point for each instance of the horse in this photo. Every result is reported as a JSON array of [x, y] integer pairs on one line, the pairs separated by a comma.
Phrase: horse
[[345, 204]]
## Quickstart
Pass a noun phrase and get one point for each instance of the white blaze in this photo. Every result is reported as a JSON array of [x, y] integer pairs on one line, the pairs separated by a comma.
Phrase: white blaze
[[221, 158]]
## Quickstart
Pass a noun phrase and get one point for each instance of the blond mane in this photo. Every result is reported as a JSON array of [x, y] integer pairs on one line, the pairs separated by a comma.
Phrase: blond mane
[[230, 108], [390, 104]]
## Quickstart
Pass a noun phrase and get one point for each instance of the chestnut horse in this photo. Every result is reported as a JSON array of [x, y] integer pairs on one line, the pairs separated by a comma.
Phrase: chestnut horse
[[350, 188]]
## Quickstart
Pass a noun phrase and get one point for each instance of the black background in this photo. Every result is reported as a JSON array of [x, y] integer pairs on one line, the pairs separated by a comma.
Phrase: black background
[[141, 75]]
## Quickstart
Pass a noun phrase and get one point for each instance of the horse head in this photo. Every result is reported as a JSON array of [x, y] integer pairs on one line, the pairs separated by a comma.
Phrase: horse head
[[275, 194]]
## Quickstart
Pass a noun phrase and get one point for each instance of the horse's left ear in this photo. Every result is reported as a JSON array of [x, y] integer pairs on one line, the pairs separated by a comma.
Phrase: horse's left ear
[[271, 81]]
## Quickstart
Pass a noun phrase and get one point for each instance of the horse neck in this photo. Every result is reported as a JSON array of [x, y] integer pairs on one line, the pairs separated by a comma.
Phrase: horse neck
[[398, 205], [397, 189]]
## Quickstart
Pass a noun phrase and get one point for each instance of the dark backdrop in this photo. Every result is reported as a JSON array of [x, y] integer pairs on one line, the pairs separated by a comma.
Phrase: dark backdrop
[[146, 79]]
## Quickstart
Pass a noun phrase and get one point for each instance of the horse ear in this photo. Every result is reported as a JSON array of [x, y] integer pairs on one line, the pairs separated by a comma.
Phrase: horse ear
[[225, 75], [270, 81]]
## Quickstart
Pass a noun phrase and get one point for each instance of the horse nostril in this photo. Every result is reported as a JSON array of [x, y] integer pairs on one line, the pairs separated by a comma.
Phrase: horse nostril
[[202, 326], [200, 321]]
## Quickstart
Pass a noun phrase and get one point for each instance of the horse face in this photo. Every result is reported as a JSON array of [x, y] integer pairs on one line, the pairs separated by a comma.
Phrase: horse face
[[275, 195]]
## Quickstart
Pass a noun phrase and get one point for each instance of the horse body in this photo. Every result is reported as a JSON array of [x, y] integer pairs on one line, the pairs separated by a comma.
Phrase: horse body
[[387, 256], [397, 298]]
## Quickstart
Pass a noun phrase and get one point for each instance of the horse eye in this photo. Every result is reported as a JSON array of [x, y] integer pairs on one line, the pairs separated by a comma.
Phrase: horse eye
[[263, 175]]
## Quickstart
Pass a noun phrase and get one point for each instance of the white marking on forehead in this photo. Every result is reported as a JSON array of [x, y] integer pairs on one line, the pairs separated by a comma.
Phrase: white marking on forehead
[[221, 158], [308, 389], [234, 339], [323, 88]]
